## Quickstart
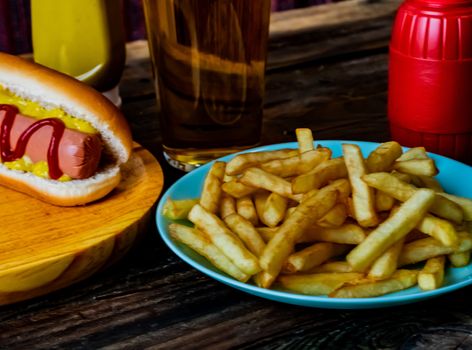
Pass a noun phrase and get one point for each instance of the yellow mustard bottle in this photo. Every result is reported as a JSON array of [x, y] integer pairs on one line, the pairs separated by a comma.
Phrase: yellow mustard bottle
[[81, 38]]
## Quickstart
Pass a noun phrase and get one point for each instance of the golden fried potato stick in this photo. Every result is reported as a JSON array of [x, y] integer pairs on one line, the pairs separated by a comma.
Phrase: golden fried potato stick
[[345, 234], [224, 239], [383, 201], [281, 245], [237, 189], [227, 205], [459, 259], [464, 203], [401, 279], [260, 198], [246, 231], [383, 157], [305, 140], [325, 172], [332, 266], [426, 181], [440, 229], [298, 164], [413, 153], [264, 279], [247, 160], [400, 190], [312, 256], [335, 217], [386, 264], [246, 208], [317, 284], [198, 241], [426, 248], [178, 209], [424, 167], [211, 193], [274, 210], [362, 195], [397, 226], [432, 275], [259, 178]]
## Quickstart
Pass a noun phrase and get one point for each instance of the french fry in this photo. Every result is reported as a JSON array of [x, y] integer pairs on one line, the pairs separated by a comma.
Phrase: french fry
[[281, 245], [259, 178], [227, 205], [464, 203], [345, 234], [424, 249], [413, 153], [383, 201], [414, 235], [267, 233], [383, 157], [459, 259], [391, 230], [332, 266], [297, 165], [335, 217], [198, 241], [402, 177], [424, 167], [289, 212], [401, 279], [362, 194], [247, 160], [228, 178], [325, 172], [440, 229], [264, 279], [237, 189], [317, 284], [312, 256], [432, 275], [224, 239], [400, 190], [245, 207], [305, 140], [211, 192], [260, 198], [428, 182], [274, 210], [343, 186], [178, 209], [386, 264], [246, 231]]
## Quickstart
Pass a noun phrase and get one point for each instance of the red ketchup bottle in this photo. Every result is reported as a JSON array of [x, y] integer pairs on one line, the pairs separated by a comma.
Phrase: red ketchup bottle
[[430, 77]]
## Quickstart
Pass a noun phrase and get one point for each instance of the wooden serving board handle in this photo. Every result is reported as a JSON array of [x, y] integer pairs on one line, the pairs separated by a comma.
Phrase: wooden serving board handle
[[44, 247]]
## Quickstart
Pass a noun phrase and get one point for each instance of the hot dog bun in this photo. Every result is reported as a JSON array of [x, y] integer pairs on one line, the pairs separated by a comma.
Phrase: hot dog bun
[[55, 90]]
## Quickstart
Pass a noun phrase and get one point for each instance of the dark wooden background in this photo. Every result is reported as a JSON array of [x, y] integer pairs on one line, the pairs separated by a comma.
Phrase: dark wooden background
[[329, 74]]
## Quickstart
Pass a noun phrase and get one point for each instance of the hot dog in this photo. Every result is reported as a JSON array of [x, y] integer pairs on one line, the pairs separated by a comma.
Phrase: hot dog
[[60, 140], [79, 152]]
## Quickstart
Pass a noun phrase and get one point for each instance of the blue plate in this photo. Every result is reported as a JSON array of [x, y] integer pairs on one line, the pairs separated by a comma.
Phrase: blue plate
[[454, 177]]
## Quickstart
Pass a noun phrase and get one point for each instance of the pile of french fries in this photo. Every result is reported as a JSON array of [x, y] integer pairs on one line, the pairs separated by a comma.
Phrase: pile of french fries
[[347, 227]]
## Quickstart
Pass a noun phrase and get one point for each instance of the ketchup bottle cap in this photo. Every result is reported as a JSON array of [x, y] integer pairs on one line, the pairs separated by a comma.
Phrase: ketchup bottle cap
[[443, 3]]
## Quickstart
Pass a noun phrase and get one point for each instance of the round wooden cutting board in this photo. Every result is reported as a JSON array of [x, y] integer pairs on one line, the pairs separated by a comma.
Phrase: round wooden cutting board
[[44, 247]]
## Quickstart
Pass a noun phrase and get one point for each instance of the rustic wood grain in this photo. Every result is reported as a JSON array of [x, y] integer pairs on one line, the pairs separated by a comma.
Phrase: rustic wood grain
[[59, 246], [154, 300]]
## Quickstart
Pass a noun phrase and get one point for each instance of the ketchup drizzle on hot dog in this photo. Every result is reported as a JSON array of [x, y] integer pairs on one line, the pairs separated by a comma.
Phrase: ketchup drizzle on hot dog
[[9, 155]]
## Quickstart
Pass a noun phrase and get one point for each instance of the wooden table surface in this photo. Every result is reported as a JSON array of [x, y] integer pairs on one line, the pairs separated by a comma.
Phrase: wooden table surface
[[327, 71]]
